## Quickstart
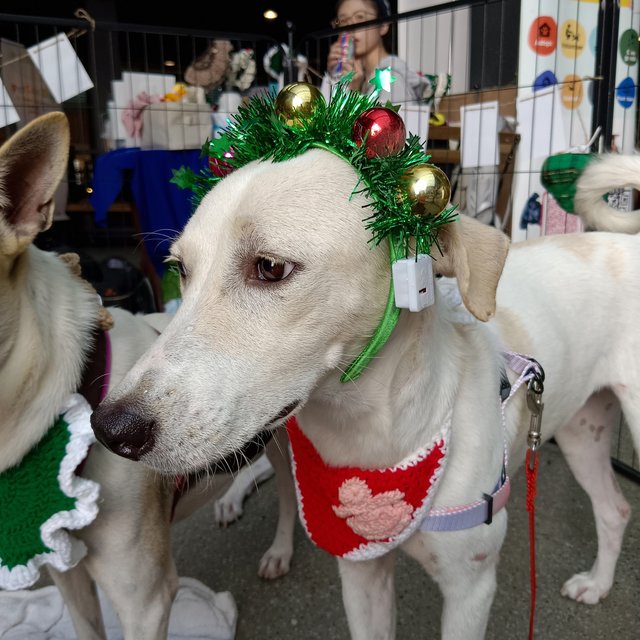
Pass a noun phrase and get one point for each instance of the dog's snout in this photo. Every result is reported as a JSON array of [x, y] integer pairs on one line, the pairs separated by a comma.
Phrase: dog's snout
[[123, 429]]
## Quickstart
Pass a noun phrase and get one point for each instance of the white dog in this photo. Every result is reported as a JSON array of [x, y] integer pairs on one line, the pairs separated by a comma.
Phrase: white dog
[[48, 323], [281, 291]]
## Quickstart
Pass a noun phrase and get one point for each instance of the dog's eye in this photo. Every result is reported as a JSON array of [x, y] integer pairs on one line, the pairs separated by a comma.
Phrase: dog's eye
[[272, 270]]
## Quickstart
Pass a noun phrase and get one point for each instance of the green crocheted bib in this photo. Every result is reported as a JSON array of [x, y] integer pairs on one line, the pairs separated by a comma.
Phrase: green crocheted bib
[[29, 495], [42, 499]]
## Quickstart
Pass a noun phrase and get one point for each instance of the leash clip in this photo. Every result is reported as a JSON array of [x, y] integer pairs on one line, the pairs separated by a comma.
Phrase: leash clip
[[535, 388]]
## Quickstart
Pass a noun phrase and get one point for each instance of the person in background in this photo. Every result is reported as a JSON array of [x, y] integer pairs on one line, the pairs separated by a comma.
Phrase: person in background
[[365, 50]]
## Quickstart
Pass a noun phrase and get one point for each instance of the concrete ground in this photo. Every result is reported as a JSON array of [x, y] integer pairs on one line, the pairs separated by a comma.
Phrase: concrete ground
[[307, 605]]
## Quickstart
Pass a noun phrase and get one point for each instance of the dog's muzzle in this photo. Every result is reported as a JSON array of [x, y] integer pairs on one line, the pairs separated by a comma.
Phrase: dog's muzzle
[[123, 430]]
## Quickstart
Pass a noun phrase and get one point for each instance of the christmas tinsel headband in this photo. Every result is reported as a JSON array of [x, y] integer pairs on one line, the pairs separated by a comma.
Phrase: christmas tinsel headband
[[408, 196], [357, 128]]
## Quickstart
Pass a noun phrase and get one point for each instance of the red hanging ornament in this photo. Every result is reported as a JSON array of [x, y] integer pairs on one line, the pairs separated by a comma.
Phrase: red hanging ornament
[[218, 166], [381, 130]]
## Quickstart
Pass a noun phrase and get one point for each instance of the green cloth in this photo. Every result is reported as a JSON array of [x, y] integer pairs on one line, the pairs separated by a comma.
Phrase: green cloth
[[42, 499], [29, 495], [171, 284], [560, 174]]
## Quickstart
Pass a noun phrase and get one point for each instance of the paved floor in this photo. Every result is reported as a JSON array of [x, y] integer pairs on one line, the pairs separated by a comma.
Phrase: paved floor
[[306, 604]]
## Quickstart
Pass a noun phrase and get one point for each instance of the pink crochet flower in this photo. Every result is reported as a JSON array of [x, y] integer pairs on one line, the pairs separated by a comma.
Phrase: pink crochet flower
[[372, 517]]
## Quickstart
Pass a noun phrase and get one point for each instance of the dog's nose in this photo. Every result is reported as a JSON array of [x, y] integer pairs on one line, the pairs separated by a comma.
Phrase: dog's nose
[[123, 430]]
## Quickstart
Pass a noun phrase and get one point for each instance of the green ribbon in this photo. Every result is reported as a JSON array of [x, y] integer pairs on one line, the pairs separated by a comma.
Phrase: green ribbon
[[382, 333]]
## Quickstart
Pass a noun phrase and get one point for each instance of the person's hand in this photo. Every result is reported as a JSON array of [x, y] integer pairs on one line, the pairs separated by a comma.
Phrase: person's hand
[[334, 57], [348, 65]]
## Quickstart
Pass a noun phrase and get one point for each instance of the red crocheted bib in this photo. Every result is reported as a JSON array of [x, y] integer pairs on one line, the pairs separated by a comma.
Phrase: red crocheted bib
[[360, 514]]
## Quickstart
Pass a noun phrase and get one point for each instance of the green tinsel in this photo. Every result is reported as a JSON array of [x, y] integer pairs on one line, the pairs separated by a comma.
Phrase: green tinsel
[[256, 132]]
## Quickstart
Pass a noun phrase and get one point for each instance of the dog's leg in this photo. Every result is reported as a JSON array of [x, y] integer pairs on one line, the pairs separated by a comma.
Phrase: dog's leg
[[140, 581], [130, 544], [585, 442], [463, 564], [81, 599], [368, 594], [228, 508], [277, 559]]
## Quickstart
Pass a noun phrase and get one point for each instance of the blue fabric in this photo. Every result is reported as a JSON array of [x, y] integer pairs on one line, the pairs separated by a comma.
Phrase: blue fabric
[[163, 208], [108, 178]]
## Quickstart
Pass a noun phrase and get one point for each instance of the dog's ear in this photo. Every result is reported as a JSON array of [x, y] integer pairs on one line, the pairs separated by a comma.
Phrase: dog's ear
[[32, 164], [474, 253]]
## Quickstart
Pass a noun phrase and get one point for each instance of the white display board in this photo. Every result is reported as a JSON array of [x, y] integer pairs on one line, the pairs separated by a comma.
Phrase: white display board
[[60, 67], [8, 113], [479, 145]]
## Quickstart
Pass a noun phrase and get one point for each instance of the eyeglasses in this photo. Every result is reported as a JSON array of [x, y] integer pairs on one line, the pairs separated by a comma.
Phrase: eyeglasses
[[358, 16]]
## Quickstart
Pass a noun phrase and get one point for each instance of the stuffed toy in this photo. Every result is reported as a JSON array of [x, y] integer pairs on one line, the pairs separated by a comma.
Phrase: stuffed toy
[[209, 69]]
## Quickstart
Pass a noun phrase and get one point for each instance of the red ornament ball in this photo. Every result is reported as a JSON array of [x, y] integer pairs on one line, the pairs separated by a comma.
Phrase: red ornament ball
[[218, 166], [381, 130]]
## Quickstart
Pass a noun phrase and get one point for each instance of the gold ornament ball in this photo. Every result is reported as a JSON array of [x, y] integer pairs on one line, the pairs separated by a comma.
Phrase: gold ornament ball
[[427, 188], [297, 102]]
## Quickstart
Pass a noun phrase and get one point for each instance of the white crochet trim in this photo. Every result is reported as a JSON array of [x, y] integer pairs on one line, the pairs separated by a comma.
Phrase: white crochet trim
[[67, 551]]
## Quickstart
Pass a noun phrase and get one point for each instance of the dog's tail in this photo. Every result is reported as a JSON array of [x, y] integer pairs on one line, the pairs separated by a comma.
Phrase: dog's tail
[[603, 174]]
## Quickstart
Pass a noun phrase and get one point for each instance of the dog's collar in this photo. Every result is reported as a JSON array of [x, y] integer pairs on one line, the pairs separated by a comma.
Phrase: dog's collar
[[482, 511], [42, 498]]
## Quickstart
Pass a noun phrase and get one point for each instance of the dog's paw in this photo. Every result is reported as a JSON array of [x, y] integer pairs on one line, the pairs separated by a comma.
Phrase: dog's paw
[[583, 588], [227, 509], [276, 562]]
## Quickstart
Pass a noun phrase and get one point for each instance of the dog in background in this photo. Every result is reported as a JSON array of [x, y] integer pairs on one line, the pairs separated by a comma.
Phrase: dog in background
[[244, 353], [48, 324]]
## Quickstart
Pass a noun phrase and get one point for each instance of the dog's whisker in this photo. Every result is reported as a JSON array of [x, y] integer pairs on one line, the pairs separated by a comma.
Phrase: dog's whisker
[[224, 463], [280, 449], [164, 234], [160, 238], [99, 378]]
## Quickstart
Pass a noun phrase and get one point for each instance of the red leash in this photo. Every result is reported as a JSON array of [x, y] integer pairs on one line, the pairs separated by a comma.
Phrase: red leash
[[532, 476], [535, 404], [530, 371]]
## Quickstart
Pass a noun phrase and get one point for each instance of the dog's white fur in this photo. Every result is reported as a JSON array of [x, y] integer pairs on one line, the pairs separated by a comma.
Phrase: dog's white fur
[[240, 349], [48, 316]]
